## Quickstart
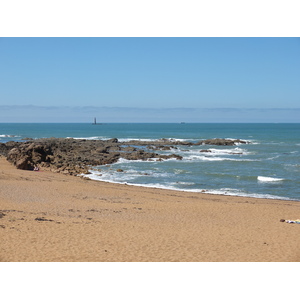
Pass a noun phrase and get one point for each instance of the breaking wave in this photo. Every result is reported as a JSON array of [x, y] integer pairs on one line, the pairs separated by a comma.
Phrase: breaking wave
[[8, 135], [268, 179], [211, 158]]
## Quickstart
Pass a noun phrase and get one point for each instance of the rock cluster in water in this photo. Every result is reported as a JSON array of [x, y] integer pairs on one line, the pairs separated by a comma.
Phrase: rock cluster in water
[[75, 156]]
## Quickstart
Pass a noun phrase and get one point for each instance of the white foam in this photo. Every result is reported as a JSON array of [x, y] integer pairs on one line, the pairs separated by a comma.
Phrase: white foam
[[182, 183], [112, 175], [152, 140], [150, 185], [180, 171], [212, 152], [122, 140], [235, 151], [87, 138], [110, 179], [117, 177], [175, 140], [235, 192], [206, 158], [128, 161], [274, 157], [268, 179], [8, 135], [212, 158]]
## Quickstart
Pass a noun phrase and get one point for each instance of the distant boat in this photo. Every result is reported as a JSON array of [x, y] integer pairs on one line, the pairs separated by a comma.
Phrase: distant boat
[[182, 122], [95, 122]]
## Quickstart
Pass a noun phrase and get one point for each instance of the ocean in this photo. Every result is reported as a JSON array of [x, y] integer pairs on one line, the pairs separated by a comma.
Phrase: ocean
[[266, 167]]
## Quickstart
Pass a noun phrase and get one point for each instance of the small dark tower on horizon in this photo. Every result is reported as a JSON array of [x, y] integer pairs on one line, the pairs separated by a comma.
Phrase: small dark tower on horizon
[[95, 122]]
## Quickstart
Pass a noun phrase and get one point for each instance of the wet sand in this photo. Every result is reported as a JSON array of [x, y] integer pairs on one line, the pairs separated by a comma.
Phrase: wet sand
[[46, 216]]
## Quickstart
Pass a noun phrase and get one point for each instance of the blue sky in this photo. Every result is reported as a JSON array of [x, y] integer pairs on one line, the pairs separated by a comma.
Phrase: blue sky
[[151, 79]]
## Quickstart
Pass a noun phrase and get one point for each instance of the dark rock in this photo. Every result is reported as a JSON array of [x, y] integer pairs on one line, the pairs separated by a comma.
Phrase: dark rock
[[5, 148], [178, 157], [112, 140], [162, 147], [129, 149], [221, 142], [43, 219], [102, 150], [24, 163], [27, 139]]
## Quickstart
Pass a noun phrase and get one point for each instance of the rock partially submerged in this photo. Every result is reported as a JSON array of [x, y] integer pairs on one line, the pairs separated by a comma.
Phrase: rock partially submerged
[[75, 156], [72, 156], [221, 142]]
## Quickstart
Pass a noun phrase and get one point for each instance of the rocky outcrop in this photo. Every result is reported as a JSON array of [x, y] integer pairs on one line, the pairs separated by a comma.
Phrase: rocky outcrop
[[72, 156]]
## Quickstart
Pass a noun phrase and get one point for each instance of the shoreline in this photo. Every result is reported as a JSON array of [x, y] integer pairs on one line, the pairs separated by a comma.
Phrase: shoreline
[[49, 216], [252, 196]]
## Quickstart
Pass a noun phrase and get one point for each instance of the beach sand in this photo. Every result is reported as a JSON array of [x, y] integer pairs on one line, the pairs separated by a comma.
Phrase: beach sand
[[46, 216]]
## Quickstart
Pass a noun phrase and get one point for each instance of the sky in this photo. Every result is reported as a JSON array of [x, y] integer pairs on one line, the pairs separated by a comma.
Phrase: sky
[[164, 79]]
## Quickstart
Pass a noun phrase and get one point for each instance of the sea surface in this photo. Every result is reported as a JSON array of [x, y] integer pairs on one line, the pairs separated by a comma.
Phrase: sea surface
[[267, 167]]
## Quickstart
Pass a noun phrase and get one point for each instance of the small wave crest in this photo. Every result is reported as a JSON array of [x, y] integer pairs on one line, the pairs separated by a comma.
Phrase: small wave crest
[[240, 193], [212, 158], [235, 151], [180, 171], [273, 157], [87, 138], [124, 140], [268, 179], [9, 135], [211, 152], [128, 161]]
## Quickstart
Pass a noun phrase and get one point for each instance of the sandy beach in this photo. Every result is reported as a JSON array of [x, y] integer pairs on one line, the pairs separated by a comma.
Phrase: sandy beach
[[50, 217]]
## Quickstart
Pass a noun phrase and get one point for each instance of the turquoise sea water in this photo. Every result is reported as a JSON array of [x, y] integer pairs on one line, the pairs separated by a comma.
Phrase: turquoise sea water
[[267, 167]]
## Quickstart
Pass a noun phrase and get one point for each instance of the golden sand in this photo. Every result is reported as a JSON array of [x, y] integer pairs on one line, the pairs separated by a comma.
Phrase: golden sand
[[55, 217]]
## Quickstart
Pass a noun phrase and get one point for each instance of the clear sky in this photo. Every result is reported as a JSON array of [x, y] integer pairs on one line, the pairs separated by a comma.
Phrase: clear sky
[[136, 79]]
